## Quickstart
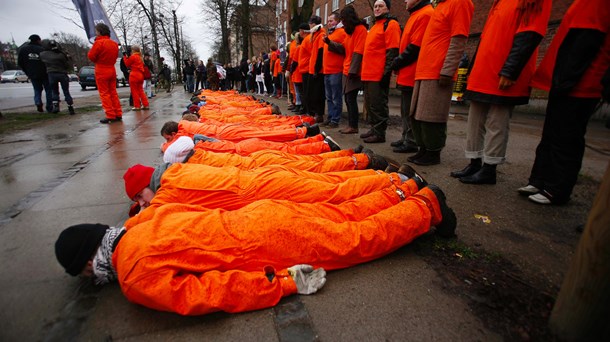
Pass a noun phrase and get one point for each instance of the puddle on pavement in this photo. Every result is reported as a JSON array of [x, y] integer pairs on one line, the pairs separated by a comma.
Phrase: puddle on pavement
[[58, 136], [63, 150]]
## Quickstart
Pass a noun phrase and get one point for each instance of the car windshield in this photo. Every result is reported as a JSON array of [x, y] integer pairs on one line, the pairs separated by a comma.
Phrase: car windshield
[[87, 71], [8, 73]]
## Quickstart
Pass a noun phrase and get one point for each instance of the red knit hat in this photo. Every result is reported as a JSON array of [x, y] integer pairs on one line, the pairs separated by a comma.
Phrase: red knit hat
[[136, 179]]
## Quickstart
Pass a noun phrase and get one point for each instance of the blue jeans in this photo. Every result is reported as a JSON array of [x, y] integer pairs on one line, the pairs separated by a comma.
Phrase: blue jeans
[[39, 85], [57, 78], [190, 83], [334, 96]]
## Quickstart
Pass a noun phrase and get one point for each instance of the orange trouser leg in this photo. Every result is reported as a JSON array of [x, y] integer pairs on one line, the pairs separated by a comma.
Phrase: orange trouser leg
[[231, 188], [106, 87], [137, 92]]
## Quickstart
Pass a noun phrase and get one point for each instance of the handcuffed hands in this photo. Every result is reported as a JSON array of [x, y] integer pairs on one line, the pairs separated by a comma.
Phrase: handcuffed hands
[[308, 280]]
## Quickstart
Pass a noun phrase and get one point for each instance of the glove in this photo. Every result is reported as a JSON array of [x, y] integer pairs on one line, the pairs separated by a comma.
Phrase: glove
[[445, 81], [308, 280]]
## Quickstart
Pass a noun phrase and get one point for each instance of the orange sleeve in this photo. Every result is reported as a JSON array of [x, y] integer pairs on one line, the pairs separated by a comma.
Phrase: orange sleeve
[[392, 35], [94, 52], [538, 22], [359, 39], [172, 289], [462, 16]]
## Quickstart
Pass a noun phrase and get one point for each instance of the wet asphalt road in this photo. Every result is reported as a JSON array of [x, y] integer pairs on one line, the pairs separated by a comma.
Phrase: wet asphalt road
[[70, 171]]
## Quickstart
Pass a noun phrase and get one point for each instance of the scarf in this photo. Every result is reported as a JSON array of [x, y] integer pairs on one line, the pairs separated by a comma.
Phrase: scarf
[[103, 270]]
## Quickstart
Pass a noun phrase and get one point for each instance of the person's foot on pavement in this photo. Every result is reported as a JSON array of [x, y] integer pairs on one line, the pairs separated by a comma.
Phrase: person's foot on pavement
[[470, 169], [397, 143], [367, 134], [358, 149], [374, 139], [71, 110], [429, 158], [528, 190], [334, 146], [405, 148], [313, 130], [410, 172], [376, 162], [39, 108], [446, 228], [348, 130], [486, 175]]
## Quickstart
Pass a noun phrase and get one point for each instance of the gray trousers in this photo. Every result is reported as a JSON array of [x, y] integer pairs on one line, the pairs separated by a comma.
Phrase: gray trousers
[[487, 132]]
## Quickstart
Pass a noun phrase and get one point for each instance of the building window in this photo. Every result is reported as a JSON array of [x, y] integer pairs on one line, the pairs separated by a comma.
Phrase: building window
[[285, 6], [325, 12], [336, 5], [301, 3], [318, 11], [348, 1]]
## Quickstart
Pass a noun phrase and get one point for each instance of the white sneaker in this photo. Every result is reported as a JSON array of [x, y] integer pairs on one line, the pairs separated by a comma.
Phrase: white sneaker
[[539, 198], [528, 190]]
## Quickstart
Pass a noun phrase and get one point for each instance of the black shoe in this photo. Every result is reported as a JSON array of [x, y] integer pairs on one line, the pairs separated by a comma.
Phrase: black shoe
[[332, 143], [448, 224], [313, 130], [469, 170], [410, 172], [71, 110], [405, 148], [319, 118], [429, 158], [118, 118], [396, 143], [391, 168], [366, 134], [486, 175], [106, 121], [55, 108], [374, 139], [291, 107], [39, 108], [376, 162], [417, 155], [332, 125], [358, 149]]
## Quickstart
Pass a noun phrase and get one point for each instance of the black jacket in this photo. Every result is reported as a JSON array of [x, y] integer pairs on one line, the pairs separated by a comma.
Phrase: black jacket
[[30, 62]]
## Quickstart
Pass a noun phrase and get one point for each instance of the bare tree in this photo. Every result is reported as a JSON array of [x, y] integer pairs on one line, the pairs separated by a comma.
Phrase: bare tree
[[300, 14], [216, 15]]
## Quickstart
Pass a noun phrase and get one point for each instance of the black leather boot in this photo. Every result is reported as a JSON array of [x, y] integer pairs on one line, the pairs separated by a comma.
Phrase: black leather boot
[[486, 175], [429, 158], [469, 170], [420, 153]]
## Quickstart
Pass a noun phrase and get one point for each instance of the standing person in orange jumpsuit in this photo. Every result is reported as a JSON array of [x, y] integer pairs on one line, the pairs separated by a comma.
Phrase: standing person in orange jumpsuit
[[192, 260], [277, 82], [104, 54], [576, 72], [500, 80], [136, 78], [420, 12], [380, 48], [442, 48], [352, 65], [332, 67], [315, 95]]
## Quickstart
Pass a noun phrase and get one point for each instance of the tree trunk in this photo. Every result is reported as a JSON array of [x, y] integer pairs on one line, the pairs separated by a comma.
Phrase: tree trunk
[[582, 309]]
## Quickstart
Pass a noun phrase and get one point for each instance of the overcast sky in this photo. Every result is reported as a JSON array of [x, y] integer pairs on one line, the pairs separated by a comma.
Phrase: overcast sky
[[21, 18]]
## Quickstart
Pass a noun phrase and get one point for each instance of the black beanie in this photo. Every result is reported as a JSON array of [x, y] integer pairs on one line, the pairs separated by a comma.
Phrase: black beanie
[[388, 4], [76, 245]]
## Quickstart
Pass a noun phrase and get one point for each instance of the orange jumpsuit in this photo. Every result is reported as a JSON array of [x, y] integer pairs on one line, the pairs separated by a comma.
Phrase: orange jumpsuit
[[313, 163], [192, 261], [237, 132], [104, 54], [311, 145], [136, 79], [231, 188]]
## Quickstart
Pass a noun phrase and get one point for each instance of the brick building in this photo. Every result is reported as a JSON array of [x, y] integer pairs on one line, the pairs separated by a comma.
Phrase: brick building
[[323, 8]]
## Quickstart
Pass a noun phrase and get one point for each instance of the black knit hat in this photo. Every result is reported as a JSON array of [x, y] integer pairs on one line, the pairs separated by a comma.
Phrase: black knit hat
[[304, 26], [315, 20], [388, 3], [34, 38], [77, 244]]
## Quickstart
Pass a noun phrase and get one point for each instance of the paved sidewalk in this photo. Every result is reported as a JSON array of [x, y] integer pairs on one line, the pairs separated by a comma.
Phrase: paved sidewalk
[[70, 171]]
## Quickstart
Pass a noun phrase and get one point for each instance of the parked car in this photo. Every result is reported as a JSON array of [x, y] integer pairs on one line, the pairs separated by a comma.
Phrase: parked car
[[14, 76], [73, 77], [86, 77]]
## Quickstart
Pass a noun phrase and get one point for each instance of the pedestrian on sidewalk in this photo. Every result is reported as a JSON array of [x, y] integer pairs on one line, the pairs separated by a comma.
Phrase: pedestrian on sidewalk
[[104, 54], [576, 72], [500, 80], [404, 65], [58, 64], [443, 46], [29, 61], [135, 63], [380, 48], [332, 68], [356, 31], [149, 70]]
